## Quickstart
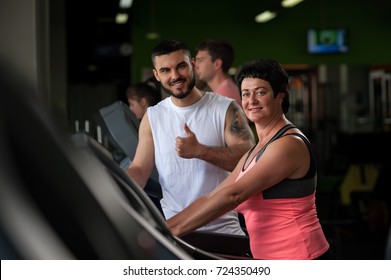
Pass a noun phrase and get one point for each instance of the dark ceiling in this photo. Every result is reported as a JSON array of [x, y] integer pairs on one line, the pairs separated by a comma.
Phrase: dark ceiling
[[95, 40], [95, 43]]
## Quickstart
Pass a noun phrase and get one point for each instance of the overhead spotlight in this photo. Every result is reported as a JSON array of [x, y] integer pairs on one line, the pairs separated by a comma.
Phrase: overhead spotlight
[[232, 71], [290, 3], [125, 4], [121, 18], [152, 35], [265, 16]]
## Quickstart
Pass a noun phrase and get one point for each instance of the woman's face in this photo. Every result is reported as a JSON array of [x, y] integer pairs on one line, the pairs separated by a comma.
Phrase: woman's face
[[258, 100], [138, 107]]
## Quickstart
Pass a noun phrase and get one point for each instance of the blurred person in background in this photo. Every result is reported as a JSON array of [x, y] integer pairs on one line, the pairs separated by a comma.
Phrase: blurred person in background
[[142, 95], [213, 59]]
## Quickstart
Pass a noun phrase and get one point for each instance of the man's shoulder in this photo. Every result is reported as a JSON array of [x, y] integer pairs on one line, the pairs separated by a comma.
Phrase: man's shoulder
[[161, 104], [228, 85], [216, 97], [230, 89], [160, 109], [218, 103]]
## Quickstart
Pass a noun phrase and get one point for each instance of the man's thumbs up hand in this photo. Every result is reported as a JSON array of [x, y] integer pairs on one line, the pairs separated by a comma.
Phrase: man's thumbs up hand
[[187, 147]]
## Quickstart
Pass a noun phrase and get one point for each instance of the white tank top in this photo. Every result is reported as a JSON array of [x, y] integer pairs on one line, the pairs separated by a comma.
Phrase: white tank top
[[185, 180]]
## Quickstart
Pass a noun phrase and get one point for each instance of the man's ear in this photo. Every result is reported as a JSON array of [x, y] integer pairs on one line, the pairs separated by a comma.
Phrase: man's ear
[[218, 63], [155, 74]]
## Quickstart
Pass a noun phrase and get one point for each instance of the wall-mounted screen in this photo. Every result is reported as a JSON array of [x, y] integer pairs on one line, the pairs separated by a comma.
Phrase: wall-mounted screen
[[327, 40]]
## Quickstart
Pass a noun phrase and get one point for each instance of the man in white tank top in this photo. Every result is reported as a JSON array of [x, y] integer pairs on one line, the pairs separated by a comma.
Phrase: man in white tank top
[[194, 138]]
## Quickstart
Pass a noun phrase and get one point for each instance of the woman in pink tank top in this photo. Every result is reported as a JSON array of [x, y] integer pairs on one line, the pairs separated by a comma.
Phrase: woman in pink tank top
[[274, 184]]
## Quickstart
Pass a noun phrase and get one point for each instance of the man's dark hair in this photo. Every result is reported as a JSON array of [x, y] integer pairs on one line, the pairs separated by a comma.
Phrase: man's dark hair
[[270, 71], [168, 46], [218, 48]]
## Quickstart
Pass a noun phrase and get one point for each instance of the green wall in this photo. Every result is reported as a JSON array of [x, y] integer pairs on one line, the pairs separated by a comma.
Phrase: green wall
[[283, 38]]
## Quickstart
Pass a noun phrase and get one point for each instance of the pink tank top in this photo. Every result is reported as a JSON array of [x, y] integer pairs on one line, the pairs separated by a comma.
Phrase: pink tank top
[[283, 227]]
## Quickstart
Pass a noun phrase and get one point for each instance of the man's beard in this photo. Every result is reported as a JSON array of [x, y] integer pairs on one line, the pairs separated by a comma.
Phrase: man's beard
[[182, 95]]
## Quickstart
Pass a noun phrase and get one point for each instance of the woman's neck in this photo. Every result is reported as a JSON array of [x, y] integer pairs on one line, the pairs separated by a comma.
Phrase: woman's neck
[[267, 132]]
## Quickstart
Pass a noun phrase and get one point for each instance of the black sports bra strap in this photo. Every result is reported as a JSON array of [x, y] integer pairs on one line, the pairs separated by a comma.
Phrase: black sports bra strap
[[277, 135], [281, 132]]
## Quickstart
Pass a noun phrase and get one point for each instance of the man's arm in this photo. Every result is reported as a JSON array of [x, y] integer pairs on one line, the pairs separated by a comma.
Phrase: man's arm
[[144, 160], [238, 135]]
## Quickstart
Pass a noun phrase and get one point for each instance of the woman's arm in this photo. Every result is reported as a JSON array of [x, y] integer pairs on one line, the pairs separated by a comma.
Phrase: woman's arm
[[282, 159], [177, 223], [202, 211]]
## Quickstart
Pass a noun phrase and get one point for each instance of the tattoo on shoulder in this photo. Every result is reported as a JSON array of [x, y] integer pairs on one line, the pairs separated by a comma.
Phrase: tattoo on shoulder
[[238, 122]]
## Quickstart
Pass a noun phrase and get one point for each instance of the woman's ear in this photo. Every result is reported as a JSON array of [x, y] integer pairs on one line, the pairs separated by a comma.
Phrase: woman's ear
[[281, 96]]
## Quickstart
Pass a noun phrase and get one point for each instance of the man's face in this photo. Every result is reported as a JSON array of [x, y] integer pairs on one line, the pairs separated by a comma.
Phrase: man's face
[[175, 73], [204, 67]]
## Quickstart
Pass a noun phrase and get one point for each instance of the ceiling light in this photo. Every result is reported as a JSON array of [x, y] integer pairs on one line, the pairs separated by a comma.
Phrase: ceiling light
[[290, 3], [232, 71], [152, 35], [121, 18], [265, 16], [125, 4]]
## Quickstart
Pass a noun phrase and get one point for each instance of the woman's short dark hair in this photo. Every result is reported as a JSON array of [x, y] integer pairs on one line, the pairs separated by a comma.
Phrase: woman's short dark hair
[[268, 70]]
